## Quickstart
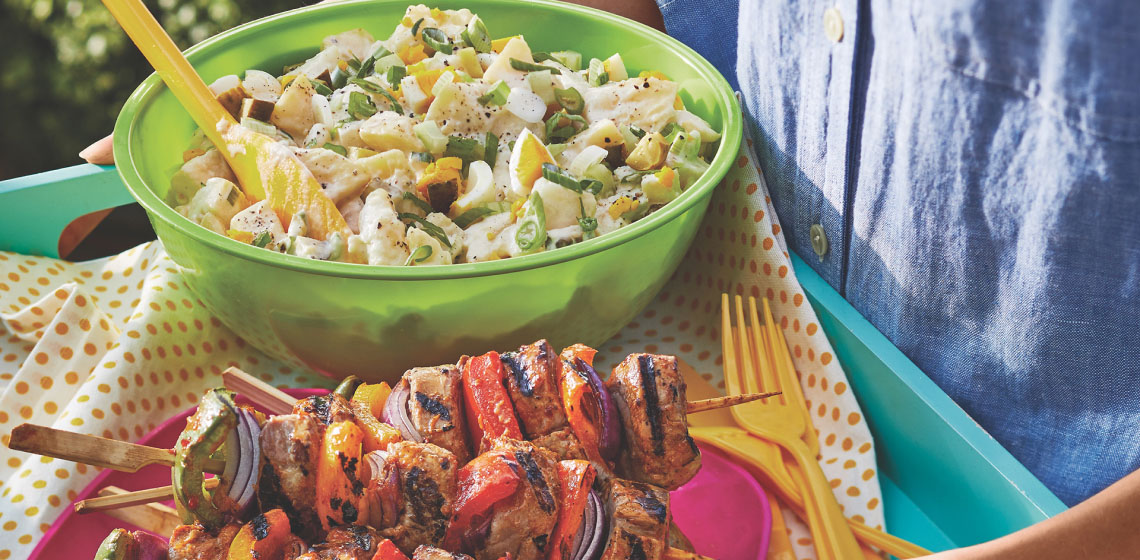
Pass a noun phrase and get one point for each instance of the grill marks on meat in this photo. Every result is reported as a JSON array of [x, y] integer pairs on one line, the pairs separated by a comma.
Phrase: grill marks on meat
[[648, 375], [427, 482], [327, 409], [194, 542], [290, 444], [532, 374], [639, 520], [650, 394], [521, 524], [435, 407]]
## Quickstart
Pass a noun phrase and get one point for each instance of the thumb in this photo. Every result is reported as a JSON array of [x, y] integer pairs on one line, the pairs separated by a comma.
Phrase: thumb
[[100, 152]]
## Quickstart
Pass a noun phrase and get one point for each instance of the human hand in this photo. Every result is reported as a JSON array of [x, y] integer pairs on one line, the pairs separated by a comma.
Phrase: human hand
[[99, 153]]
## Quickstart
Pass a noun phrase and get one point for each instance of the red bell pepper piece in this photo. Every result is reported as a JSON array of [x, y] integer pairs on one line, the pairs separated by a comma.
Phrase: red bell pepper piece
[[485, 481], [574, 481], [581, 405], [388, 551], [489, 408]]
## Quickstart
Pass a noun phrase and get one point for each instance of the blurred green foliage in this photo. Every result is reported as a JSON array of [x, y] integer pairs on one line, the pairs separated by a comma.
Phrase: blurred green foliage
[[66, 68]]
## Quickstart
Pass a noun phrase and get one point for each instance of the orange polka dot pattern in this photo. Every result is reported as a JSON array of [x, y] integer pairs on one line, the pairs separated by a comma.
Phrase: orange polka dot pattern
[[739, 250], [110, 347]]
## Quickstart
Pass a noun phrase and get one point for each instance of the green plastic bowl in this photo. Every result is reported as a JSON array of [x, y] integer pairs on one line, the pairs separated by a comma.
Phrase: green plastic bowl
[[376, 321]]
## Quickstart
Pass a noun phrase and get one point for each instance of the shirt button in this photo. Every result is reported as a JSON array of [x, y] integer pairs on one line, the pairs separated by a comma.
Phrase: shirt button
[[833, 24], [818, 240]]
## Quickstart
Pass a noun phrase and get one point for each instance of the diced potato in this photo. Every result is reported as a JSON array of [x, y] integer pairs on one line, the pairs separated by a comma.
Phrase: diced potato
[[215, 205], [294, 111], [691, 123], [439, 254], [603, 134], [455, 235], [387, 130], [262, 85], [322, 63], [615, 67], [258, 218], [229, 92], [194, 174], [414, 98], [644, 102], [562, 204], [340, 178], [356, 42], [501, 69], [382, 230], [483, 239]]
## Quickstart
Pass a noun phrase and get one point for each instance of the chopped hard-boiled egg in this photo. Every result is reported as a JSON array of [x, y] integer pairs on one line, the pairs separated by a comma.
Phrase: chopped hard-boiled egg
[[526, 162]]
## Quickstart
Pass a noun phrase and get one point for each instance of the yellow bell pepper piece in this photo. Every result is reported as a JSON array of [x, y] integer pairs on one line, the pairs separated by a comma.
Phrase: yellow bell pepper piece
[[286, 80]]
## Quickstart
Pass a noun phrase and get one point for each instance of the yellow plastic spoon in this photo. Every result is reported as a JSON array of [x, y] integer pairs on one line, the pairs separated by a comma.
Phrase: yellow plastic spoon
[[266, 170]]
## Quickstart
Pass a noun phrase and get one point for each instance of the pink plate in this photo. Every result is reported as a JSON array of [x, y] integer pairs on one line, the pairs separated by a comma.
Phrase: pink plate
[[723, 510]]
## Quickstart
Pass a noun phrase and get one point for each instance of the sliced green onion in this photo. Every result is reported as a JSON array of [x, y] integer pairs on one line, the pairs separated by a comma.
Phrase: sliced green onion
[[338, 149], [262, 240], [419, 202], [552, 173], [597, 74], [437, 40], [556, 132], [421, 254], [532, 229], [338, 78], [374, 88], [540, 56], [467, 149], [477, 35], [385, 63], [473, 215], [232, 196], [497, 95], [588, 223], [395, 74], [670, 132], [542, 86], [360, 105], [636, 131], [569, 59], [490, 149], [416, 27], [321, 88], [556, 149], [592, 186], [432, 137], [570, 99], [531, 67], [428, 227], [366, 67], [260, 127]]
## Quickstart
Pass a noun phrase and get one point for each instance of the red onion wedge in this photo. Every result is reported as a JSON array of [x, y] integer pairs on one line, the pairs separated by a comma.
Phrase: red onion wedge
[[396, 412], [609, 440], [591, 538], [382, 491], [243, 460]]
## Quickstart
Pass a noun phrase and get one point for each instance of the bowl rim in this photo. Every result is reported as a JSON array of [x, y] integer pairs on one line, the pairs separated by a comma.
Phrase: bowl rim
[[723, 96]]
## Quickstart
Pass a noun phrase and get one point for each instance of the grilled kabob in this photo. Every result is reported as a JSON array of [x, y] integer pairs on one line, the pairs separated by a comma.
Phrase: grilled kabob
[[514, 501]]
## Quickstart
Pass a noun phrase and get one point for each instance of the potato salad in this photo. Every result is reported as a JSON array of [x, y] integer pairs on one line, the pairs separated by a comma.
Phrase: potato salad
[[441, 145]]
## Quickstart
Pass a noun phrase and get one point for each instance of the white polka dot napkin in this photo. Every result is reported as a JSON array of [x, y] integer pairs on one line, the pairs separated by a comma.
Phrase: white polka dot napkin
[[113, 347]]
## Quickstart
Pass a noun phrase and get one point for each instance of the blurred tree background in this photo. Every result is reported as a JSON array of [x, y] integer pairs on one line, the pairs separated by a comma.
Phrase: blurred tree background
[[66, 68]]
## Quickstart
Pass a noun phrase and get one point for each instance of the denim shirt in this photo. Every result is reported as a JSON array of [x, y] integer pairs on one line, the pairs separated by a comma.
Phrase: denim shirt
[[975, 169]]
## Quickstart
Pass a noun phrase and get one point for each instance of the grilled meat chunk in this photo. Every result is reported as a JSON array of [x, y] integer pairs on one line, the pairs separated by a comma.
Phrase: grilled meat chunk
[[436, 407], [566, 447], [290, 444], [639, 520], [345, 543], [426, 475], [532, 381], [650, 395], [521, 525], [194, 542], [328, 409], [425, 552]]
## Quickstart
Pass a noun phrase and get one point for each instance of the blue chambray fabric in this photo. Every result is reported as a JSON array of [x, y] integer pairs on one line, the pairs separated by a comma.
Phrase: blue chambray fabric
[[976, 168]]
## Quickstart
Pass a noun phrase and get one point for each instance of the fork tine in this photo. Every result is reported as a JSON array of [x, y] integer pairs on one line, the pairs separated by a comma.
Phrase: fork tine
[[768, 375], [728, 348], [748, 364], [784, 354]]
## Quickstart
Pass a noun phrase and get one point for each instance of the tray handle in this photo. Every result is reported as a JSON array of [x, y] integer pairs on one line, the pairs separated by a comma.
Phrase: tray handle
[[35, 210]]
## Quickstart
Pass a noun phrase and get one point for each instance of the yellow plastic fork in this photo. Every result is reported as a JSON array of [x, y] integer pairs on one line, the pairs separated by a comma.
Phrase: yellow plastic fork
[[779, 421]]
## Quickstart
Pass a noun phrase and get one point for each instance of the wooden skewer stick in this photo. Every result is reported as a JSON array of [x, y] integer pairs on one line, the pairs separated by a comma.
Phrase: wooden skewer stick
[[279, 402], [678, 554], [120, 498], [94, 450], [156, 518]]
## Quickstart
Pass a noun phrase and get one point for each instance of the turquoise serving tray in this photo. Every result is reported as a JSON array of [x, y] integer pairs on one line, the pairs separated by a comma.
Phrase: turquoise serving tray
[[946, 483]]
